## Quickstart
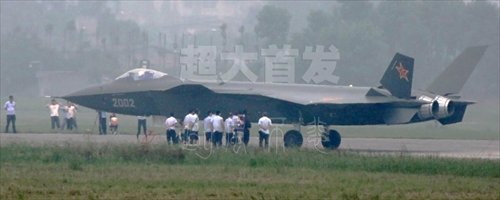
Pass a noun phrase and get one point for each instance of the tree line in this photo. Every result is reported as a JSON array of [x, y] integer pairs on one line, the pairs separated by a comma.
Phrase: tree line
[[47, 35]]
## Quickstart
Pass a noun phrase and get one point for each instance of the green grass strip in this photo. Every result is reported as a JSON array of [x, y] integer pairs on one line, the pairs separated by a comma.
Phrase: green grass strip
[[78, 156]]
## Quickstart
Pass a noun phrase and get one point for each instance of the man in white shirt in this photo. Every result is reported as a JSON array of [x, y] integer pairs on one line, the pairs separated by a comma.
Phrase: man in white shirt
[[170, 124], [264, 127], [75, 125], [10, 107], [188, 123], [70, 114], [218, 128], [207, 126], [236, 127], [193, 135], [229, 125], [54, 114]]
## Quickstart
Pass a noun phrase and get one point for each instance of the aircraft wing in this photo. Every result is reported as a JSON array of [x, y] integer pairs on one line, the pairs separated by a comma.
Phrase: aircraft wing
[[311, 94]]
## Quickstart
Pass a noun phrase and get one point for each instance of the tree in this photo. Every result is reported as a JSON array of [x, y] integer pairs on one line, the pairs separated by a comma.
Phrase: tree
[[355, 36], [49, 30], [353, 11], [273, 24], [223, 34], [318, 20], [242, 34], [69, 31]]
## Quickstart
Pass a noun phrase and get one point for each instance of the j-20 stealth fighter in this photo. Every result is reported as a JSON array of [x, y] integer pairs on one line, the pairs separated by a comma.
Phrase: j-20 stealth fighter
[[149, 92]]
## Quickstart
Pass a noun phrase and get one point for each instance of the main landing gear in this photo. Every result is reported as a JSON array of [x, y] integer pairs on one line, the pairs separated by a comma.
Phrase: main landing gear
[[330, 139]]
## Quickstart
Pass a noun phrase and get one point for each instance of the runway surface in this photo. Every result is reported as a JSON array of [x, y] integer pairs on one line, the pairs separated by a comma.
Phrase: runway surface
[[486, 149]]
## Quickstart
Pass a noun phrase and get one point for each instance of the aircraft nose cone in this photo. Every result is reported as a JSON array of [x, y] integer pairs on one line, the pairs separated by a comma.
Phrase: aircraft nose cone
[[85, 97], [85, 92]]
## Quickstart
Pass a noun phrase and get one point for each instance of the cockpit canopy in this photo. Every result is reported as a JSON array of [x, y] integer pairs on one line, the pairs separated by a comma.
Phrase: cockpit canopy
[[142, 74]]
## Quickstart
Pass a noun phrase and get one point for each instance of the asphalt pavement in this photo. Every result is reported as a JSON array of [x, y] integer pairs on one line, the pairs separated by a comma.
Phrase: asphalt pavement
[[486, 149]]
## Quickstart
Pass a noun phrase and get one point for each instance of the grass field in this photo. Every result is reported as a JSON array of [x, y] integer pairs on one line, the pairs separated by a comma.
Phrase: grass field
[[133, 171], [481, 122]]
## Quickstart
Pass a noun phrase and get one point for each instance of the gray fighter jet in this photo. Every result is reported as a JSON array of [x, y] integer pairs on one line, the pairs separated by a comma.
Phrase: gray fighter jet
[[149, 92]]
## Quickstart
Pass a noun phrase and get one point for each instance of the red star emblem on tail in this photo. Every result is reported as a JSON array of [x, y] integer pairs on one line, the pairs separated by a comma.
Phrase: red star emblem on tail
[[403, 72]]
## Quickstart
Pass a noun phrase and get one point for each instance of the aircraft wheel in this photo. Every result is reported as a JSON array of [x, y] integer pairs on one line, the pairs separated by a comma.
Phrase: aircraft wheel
[[331, 140], [293, 138]]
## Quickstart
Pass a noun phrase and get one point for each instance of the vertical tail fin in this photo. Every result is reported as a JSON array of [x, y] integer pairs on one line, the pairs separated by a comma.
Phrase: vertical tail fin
[[453, 78], [398, 76]]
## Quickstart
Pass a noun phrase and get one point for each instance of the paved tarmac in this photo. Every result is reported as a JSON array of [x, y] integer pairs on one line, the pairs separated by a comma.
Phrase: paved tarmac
[[486, 149]]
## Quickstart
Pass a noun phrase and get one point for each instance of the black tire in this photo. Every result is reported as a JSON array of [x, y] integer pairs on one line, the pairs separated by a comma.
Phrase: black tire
[[331, 140], [293, 139]]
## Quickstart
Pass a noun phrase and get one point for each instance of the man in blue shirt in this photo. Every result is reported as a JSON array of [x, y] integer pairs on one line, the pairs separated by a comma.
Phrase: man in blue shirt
[[141, 123], [102, 122]]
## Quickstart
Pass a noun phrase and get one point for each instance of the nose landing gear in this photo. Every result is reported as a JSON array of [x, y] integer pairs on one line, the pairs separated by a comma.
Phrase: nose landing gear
[[293, 139]]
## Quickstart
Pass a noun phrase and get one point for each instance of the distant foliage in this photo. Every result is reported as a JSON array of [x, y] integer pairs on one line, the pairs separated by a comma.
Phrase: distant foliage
[[86, 38], [273, 24], [433, 32], [367, 34]]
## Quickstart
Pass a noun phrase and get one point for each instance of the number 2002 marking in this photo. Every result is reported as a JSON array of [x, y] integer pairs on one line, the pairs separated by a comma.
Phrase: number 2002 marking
[[123, 103]]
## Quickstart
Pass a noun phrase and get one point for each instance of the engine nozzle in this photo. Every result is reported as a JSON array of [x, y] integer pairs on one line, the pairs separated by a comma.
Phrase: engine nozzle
[[437, 108]]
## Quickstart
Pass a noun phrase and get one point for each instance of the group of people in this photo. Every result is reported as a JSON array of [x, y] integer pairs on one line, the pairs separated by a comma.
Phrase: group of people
[[54, 107], [215, 127], [69, 112], [191, 128], [113, 123]]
